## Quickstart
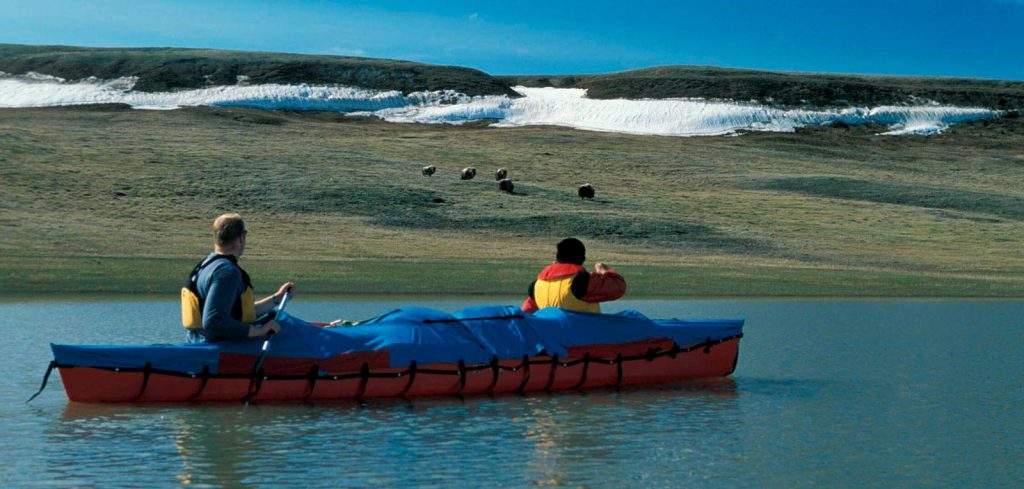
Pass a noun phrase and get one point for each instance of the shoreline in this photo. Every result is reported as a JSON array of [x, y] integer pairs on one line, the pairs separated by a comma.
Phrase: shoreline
[[149, 278]]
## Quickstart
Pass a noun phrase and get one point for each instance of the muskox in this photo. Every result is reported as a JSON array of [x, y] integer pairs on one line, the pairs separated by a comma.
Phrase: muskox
[[586, 191], [429, 170], [506, 185], [501, 174], [468, 173]]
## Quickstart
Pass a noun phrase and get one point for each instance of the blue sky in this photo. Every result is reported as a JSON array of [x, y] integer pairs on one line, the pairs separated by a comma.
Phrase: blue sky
[[981, 38]]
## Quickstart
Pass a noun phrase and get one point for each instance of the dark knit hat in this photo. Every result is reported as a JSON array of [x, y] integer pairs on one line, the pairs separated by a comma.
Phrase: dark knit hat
[[571, 250]]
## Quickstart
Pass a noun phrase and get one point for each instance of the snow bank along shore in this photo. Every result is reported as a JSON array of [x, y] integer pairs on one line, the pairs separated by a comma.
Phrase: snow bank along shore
[[567, 107]]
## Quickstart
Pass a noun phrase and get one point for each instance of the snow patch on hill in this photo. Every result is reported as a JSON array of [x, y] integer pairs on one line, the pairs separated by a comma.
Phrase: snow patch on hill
[[566, 107]]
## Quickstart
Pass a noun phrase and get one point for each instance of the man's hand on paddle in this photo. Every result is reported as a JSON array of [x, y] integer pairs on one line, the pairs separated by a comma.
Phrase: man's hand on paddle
[[601, 268], [267, 303], [282, 290]]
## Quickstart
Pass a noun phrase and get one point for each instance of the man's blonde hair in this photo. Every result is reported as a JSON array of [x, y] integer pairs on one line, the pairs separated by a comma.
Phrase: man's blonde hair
[[227, 228]]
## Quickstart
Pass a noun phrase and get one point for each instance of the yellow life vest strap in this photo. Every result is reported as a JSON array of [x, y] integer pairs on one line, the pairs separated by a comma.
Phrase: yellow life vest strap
[[248, 303]]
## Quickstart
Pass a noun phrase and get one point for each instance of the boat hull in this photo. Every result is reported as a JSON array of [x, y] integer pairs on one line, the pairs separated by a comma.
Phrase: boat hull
[[533, 374]]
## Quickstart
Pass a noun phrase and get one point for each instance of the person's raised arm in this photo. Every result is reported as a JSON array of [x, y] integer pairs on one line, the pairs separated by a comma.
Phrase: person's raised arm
[[605, 285], [267, 303]]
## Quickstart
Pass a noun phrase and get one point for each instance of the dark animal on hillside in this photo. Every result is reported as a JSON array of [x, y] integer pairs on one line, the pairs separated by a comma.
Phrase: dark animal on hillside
[[468, 173], [429, 170], [501, 174], [586, 191], [506, 185]]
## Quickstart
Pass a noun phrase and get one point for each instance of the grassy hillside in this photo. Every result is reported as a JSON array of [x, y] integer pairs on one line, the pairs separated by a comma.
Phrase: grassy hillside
[[162, 69], [787, 89], [106, 199]]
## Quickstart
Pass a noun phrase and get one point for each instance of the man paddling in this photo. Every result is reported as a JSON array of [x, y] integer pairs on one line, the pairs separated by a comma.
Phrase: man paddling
[[217, 302], [567, 284]]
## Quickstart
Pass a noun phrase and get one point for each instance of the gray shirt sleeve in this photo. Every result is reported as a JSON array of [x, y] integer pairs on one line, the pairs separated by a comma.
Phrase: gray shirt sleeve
[[225, 285]]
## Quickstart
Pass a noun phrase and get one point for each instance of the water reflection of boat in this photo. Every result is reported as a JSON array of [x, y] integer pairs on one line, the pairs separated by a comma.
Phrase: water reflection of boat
[[215, 444], [556, 438], [411, 352]]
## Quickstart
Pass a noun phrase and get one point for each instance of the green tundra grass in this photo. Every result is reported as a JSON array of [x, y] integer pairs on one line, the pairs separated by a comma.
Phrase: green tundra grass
[[100, 200]]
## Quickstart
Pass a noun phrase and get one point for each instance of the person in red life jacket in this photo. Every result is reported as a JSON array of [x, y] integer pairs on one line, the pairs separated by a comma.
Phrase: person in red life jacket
[[567, 284]]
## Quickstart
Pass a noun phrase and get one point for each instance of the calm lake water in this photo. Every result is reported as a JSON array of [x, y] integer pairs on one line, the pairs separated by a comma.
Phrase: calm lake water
[[827, 393]]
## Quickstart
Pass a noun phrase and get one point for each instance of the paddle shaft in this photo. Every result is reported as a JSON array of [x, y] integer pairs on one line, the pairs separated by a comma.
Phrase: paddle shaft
[[270, 334], [261, 357]]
